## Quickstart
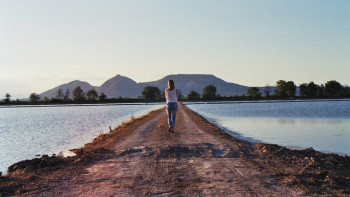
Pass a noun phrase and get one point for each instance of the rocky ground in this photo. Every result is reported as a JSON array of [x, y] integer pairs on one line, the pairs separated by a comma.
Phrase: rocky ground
[[141, 157]]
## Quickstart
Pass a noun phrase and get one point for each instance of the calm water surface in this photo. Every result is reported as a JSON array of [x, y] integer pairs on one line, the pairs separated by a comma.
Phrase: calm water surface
[[28, 131], [323, 125]]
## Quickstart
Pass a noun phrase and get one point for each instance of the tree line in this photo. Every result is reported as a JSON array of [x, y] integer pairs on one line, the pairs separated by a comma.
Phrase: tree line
[[331, 89], [154, 93], [77, 96], [283, 90]]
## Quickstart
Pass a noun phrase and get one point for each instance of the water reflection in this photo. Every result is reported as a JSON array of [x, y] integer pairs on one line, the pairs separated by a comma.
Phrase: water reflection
[[284, 121], [311, 121], [323, 125], [29, 131], [321, 134]]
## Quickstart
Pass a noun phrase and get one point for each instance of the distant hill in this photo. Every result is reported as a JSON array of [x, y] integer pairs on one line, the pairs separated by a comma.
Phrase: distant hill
[[52, 93], [120, 86], [126, 87], [196, 82]]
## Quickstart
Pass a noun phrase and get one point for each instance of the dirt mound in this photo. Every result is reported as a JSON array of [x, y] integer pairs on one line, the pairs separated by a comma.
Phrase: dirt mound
[[37, 163], [318, 171], [203, 150]]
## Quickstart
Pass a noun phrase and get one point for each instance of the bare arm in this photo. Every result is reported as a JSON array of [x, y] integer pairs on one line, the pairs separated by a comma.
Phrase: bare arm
[[178, 93]]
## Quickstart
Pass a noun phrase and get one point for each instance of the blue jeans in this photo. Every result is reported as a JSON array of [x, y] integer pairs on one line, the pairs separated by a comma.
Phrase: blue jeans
[[171, 109]]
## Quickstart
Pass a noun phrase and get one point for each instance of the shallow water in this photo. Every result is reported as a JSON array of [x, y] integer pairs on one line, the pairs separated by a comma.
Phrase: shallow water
[[29, 131], [323, 125]]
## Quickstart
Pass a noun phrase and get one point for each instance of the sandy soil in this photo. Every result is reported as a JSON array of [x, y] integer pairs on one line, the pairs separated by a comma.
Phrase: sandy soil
[[141, 158]]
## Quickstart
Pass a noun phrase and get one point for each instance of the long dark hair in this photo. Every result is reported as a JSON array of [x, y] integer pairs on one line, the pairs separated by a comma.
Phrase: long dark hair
[[171, 84]]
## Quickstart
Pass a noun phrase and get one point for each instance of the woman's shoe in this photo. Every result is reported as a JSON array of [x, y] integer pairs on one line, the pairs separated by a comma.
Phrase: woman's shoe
[[169, 130]]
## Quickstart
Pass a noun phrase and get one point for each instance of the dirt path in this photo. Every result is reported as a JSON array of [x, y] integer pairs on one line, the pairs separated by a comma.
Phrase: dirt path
[[144, 159], [151, 161]]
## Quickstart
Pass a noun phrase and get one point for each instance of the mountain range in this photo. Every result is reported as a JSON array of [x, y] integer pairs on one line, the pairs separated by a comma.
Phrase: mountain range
[[121, 86]]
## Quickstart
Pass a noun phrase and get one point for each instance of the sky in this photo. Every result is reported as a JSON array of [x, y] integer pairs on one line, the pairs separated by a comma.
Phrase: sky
[[45, 43]]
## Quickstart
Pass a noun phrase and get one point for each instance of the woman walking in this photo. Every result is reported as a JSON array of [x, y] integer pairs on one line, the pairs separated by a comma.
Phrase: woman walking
[[171, 94]]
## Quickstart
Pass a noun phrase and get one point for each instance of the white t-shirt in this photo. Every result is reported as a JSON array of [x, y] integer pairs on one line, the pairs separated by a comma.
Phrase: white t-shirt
[[170, 95]]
